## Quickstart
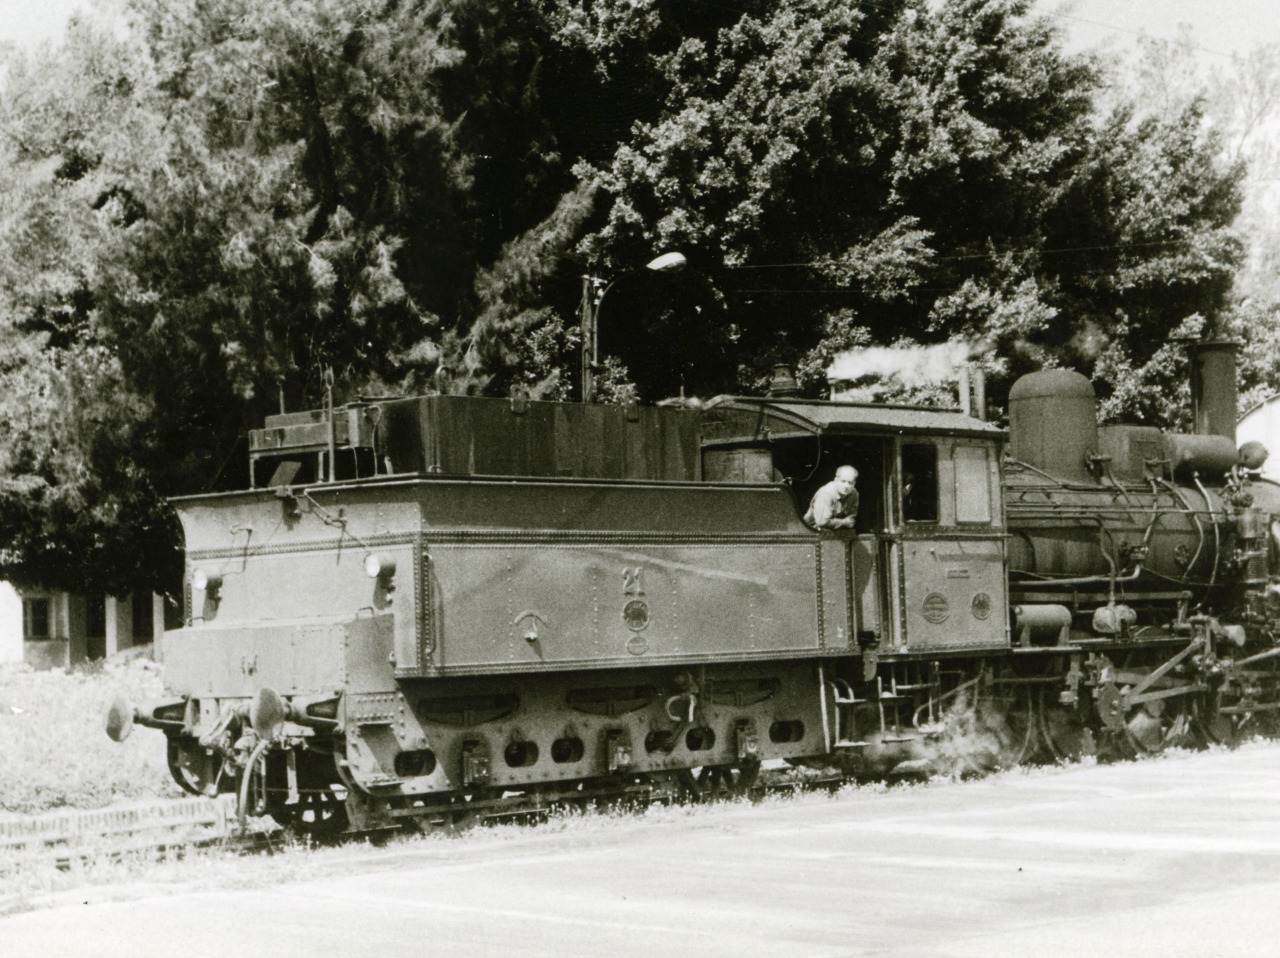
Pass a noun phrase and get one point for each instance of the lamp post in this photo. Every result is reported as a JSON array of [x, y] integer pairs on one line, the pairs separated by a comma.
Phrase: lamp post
[[594, 291]]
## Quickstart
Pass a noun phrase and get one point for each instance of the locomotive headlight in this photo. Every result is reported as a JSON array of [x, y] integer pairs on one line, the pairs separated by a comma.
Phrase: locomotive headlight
[[207, 582], [379, 567]]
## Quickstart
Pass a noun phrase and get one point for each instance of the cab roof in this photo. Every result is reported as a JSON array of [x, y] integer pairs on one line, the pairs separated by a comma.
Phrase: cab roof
[[736, 419]]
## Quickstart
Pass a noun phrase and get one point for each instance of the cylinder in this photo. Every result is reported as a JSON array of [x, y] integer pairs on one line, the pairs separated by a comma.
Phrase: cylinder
[[1042, 624], [1213, 388], [1053, 424], [1209, 456]]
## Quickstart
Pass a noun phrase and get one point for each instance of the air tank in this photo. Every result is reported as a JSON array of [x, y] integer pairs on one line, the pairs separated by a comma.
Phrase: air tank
[[1053, 423]]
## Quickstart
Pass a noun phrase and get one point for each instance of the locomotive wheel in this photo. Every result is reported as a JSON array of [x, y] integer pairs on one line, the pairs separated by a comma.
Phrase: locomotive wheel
[[1142, 729], [1013, 726], [1263, 724], [319, 814], [1153, 726], [187, 780], [1063, 732], [719, 781], [1214, 727]]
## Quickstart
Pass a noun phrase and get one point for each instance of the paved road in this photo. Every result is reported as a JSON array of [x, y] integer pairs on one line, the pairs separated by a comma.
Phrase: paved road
[[1174, 857]]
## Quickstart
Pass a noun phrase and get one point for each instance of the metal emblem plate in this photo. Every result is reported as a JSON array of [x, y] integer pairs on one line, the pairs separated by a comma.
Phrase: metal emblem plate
[[981, 605], [936, 609], [636, 615]]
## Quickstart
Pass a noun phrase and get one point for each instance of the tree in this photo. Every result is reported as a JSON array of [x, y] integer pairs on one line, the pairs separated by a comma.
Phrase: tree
[[926, 174], [203, 216]]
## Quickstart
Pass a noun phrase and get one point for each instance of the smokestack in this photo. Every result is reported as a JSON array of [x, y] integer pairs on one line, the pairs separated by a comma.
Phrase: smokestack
[[783, 382], [973, 390], [1213, 387]]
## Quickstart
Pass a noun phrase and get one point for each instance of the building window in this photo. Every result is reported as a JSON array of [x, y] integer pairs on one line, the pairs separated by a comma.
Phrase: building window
[[95, 616], [142, 625], [35, 617]]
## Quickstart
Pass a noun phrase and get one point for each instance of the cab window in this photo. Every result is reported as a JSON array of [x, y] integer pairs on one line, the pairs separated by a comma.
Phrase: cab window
[[808, 465], [973, 492], [919, 482]]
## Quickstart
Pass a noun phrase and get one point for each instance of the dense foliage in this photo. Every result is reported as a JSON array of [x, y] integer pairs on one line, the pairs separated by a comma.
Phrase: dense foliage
[[203, 213]]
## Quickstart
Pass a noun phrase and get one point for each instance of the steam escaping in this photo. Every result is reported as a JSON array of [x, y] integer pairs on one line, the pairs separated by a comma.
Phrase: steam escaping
[[911, 365], [967, 733]]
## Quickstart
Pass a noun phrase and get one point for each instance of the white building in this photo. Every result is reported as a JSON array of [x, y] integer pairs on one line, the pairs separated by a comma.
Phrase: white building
[[48, 628], [11, 631], [1262, 424]]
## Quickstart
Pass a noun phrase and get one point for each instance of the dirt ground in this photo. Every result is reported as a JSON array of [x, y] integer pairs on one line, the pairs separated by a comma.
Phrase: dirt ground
[[1169, 857]]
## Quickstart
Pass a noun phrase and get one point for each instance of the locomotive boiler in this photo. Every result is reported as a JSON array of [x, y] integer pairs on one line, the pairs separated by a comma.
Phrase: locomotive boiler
[[429, 608]]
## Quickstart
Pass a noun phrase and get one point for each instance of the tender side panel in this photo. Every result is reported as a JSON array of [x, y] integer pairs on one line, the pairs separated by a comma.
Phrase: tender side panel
[[303, 557], [527, 575], [954, 594], [291, 657], [551, 604], [314, 581], [593, 575]]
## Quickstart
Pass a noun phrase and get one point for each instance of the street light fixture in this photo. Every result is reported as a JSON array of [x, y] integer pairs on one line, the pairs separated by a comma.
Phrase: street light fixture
[[594, 291]]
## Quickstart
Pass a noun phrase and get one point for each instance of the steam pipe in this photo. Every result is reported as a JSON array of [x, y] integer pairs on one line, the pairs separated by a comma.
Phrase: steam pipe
[[243, 796], [1195, 517], [1217, 533], [1090, 579], [915, 718]]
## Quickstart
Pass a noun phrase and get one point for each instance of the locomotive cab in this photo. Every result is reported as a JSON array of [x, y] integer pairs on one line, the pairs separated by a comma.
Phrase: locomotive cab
[[924, 563]]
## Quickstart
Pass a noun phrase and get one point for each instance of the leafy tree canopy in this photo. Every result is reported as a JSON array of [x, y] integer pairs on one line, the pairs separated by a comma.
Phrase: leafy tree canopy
[[201, 214]]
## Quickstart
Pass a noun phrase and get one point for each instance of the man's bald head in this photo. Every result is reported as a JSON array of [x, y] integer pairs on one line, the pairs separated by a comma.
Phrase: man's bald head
[[845, 478]]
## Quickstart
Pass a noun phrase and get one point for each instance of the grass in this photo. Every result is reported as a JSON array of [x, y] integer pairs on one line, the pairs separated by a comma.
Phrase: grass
[[54, 753]]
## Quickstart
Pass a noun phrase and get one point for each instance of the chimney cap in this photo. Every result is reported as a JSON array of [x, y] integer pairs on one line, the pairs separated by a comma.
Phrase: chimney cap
[[783, 381]]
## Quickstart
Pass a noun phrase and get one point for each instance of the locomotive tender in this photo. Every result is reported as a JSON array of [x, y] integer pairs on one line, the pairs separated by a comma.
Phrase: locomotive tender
[[430, 607]]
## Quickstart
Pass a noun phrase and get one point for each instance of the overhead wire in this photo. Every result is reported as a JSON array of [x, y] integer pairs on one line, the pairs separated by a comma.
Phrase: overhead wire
[[1142, 34]]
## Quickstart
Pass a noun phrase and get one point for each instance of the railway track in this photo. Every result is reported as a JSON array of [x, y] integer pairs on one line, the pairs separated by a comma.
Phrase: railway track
[[172, 827], [176, 826], [153, 830]]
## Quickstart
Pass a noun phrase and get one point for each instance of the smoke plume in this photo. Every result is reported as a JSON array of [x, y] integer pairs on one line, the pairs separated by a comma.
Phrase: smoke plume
[[912, 365]]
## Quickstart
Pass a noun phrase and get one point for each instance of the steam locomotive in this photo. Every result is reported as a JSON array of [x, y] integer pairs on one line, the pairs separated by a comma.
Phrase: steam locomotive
[[429, 608]]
